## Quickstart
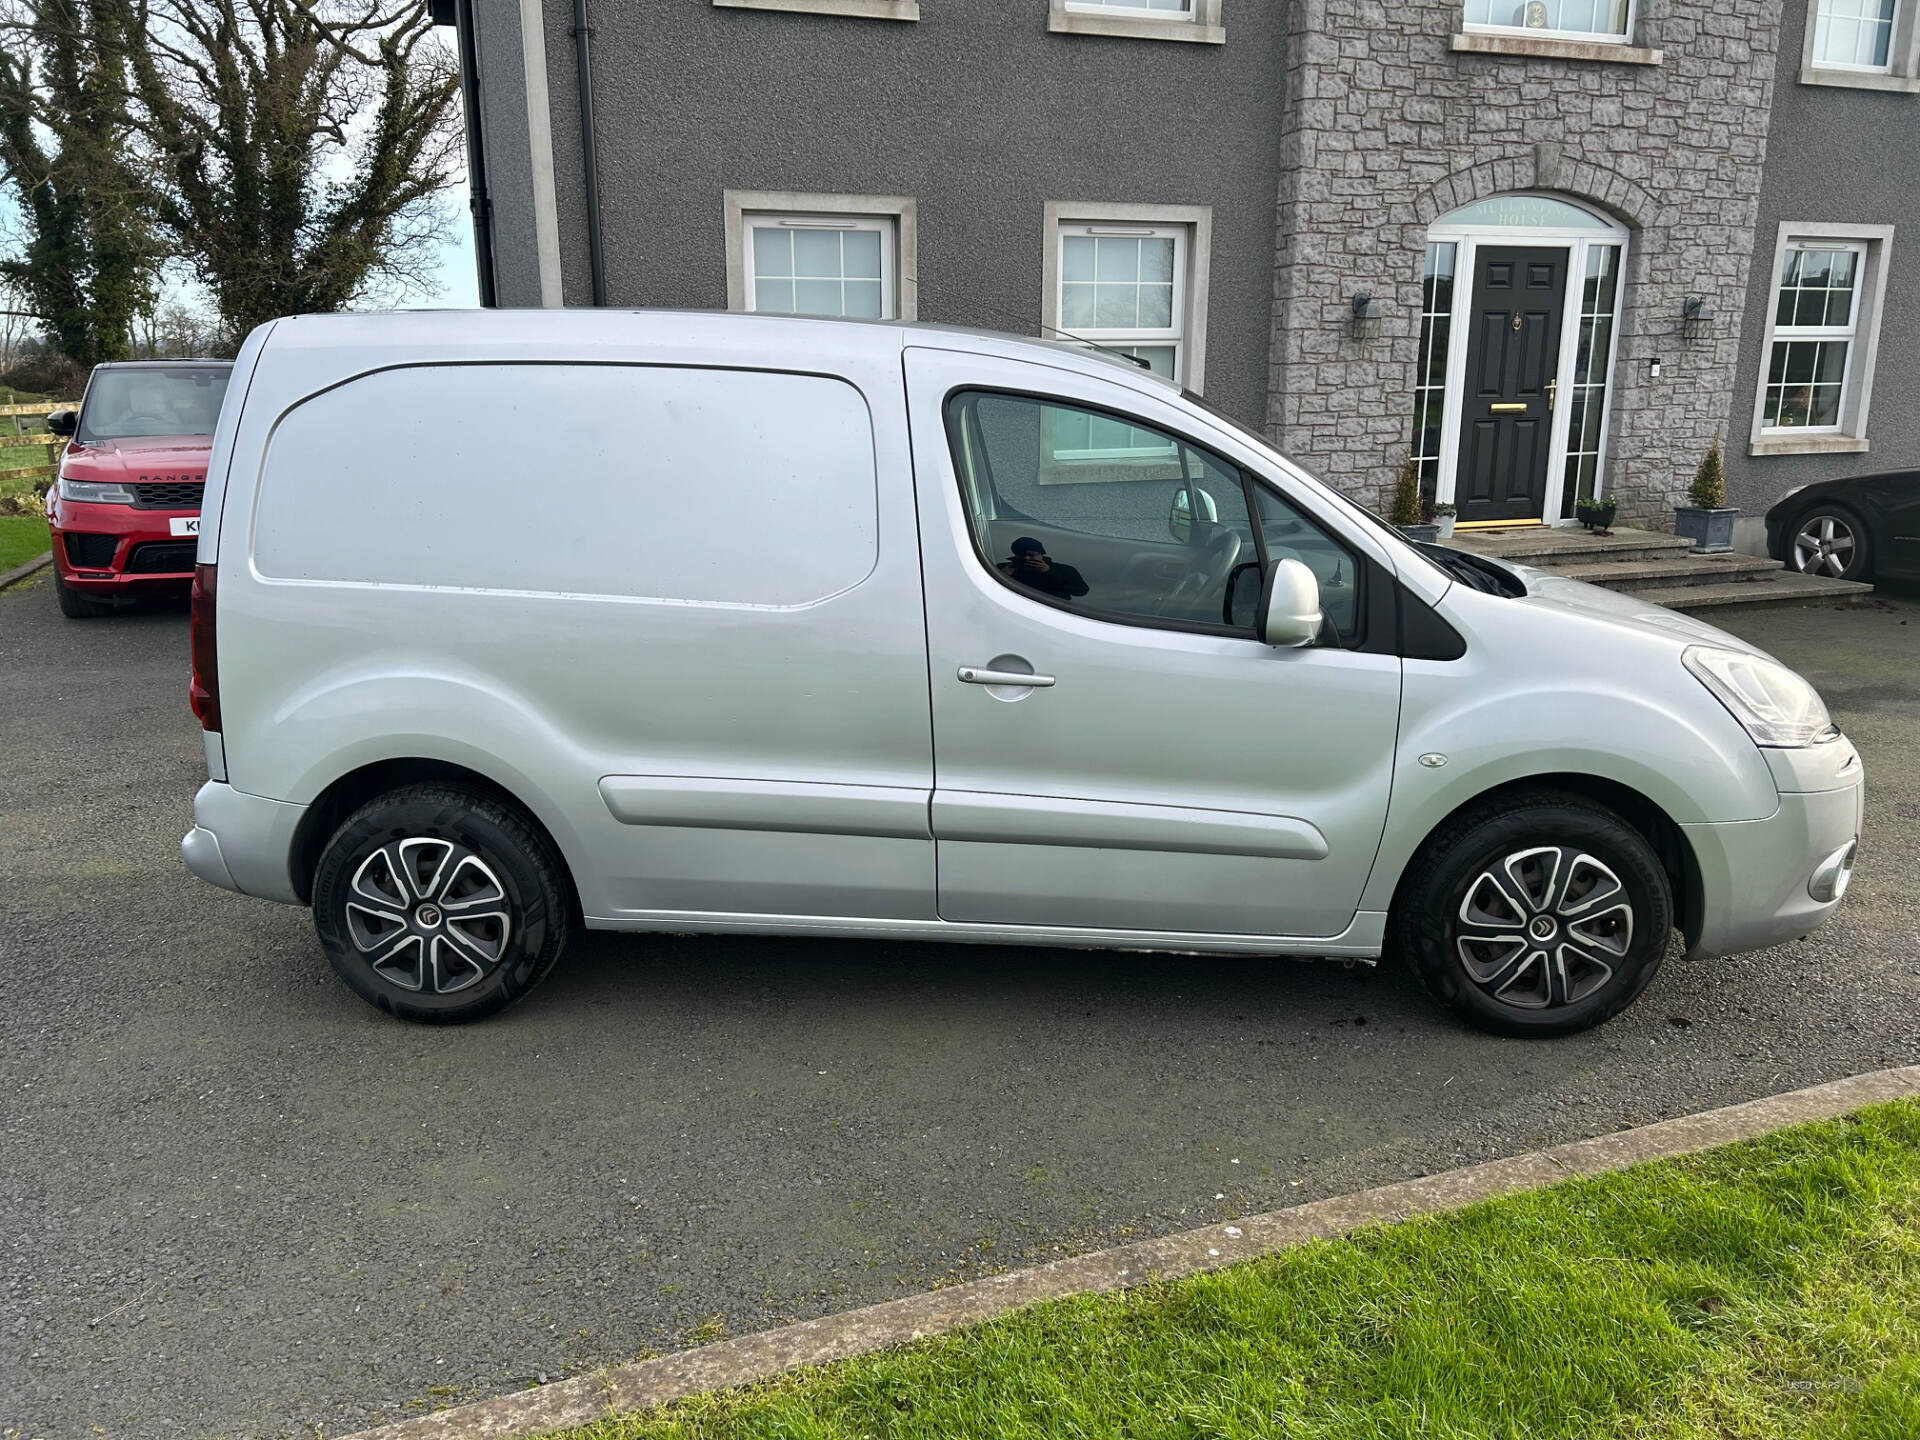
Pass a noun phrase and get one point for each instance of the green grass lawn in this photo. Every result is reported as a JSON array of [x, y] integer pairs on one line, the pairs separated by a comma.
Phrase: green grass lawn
[[21, 538], [1756, 1292]]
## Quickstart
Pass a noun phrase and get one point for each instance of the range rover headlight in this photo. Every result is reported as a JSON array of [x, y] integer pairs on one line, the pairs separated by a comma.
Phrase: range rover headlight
[[1774, 705], [100, 492]]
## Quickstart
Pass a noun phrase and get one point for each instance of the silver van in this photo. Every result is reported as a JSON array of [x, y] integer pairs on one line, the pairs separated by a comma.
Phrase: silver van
[[509, 623]]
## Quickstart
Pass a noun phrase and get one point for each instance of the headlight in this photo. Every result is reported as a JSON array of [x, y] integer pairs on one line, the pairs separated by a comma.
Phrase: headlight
[[1775, 706], [98, 491]]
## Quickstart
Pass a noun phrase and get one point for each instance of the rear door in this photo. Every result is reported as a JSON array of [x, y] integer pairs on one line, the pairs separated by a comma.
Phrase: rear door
[[1164, 771]]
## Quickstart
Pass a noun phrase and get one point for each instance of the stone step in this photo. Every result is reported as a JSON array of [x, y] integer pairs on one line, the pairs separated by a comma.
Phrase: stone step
[[1546, 546], [1779, 587], [1651, 570]]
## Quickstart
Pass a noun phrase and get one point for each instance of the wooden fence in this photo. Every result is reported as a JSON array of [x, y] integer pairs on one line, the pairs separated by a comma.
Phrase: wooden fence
[[23, 439]]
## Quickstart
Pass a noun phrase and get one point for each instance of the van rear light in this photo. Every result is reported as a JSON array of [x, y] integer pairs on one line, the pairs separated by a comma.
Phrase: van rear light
[[203, 692]]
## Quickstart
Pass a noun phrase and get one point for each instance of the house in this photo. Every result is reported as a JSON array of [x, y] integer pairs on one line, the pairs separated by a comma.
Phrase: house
[[1551, 248]]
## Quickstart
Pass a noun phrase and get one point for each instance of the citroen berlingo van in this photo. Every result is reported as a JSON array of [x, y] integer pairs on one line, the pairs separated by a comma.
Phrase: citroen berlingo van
[[509, 624]]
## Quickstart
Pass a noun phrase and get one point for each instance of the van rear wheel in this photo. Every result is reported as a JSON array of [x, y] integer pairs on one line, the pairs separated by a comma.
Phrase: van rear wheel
[[441, 904], [1539, 913]]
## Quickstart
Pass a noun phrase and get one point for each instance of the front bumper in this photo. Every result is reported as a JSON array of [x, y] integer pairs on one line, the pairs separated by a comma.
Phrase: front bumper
[[107, 550], [242, 842], [1757, 876]]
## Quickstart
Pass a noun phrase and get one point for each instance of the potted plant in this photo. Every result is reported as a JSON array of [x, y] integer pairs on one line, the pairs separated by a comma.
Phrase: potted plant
[[1708, 521], [1443, 516], [1596, 515], [1405, 510]]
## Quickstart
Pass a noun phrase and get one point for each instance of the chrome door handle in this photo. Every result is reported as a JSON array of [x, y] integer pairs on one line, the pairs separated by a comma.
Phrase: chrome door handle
[[974, 675]]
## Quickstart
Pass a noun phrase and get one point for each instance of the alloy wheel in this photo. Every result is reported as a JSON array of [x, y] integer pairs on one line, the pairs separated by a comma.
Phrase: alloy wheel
[[428, 915], [1824, 545], [1543, 927]]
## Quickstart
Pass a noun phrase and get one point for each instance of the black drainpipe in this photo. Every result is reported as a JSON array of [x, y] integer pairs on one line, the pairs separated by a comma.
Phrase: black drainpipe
[[477, 198], [596, 262]]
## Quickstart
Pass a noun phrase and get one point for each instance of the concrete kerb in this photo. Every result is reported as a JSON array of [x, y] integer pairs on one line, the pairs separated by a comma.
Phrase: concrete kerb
[[21, 572], [730, 1363]]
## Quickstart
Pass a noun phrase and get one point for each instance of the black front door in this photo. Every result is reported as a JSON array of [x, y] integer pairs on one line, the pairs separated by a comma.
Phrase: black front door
[[1513, 354]]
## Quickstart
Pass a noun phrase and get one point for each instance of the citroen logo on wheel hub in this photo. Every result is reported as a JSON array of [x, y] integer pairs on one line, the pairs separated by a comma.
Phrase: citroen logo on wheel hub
[[1541, 927], [428, 915]]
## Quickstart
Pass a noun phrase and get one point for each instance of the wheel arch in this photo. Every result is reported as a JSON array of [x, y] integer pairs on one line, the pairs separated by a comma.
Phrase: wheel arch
[[1667, 840], [356, 787]]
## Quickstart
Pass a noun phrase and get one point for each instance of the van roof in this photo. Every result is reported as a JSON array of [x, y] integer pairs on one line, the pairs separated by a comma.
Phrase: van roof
[[786, 334]]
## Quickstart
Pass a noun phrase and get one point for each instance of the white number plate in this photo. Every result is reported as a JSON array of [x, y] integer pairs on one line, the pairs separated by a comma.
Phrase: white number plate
[[184, 525]]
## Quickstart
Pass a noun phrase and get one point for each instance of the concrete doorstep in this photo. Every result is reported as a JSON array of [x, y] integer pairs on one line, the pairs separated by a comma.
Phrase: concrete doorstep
[[729, 1363]]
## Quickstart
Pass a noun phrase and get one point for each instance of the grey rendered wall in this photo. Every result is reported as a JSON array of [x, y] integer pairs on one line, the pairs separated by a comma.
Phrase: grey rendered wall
[[1843, 156], [1388, 128], [503, 121], [976, 110]]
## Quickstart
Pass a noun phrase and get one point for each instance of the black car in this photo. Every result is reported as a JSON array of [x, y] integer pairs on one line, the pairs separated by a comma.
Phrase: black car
[[1865, 527]]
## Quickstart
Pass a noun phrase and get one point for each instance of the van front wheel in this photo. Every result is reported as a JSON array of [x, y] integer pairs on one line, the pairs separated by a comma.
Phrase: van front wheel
[[1536, 914], [441, 904]]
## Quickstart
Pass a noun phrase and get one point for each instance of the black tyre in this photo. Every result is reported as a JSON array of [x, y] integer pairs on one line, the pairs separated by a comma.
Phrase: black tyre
[[76, 606], [1830, 541], [1538, 913], [441, 904]]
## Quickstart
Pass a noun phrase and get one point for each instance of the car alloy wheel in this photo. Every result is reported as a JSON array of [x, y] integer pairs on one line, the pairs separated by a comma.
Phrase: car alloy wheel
[[1825, 545], [441, 903], [1543, 927], [428, 915]]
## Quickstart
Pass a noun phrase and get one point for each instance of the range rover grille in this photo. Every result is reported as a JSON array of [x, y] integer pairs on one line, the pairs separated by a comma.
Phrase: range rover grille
[[169, 494]]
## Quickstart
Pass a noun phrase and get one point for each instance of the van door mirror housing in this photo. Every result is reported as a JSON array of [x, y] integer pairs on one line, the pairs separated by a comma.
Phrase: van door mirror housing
[[1180, 515], [63, 422], [1290, 606]]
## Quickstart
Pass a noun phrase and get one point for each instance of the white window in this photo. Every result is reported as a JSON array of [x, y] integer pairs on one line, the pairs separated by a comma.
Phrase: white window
[[1816, 370], [1132, 278], [1853, 34], [1159, 8], [820, 265], [1197, 20], [1866, 44], [1607, 20], [1122, 286], [1816, 314], [842, 255]]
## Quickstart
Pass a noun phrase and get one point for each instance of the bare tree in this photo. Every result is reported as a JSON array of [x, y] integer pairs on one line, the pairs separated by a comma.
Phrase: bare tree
[[298, 145], [87, 256]]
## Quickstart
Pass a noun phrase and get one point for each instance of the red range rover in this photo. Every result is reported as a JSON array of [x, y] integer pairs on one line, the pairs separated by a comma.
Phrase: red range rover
[[125, 513]]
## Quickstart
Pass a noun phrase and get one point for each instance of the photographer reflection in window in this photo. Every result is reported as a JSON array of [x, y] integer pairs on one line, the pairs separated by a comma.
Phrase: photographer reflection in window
[[1031, 566]]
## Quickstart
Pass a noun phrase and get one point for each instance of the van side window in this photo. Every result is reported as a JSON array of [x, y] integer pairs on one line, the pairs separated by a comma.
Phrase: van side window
[[1290, 535], [1105, 515]]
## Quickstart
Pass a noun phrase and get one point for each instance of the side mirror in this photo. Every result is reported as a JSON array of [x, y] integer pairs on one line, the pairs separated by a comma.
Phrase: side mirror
[[1180, 516], [63, 422], [1290, 606]]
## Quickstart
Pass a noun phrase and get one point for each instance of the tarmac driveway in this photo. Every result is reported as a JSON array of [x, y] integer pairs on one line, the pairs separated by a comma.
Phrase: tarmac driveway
[[237, 1201]]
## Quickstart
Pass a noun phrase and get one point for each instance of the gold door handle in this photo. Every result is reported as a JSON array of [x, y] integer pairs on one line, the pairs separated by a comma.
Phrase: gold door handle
[[1518, 407], [1552, 386]]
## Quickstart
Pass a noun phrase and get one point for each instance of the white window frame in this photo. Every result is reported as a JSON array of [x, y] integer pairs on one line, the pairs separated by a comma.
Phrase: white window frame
[[895, 216], [1192, 252], [1900, 73], [1582, 37], [1874, 245], [1199, 23], [1467, 240], [855, 9]]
